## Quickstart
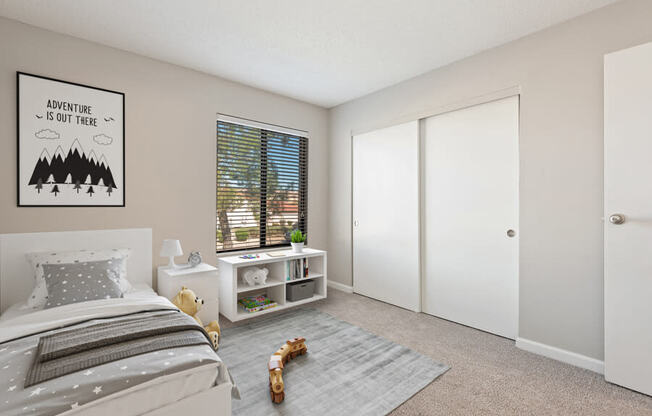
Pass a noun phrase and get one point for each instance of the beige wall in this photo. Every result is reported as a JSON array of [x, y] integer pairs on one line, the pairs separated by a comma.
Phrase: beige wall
[[170, 139], [559, 71]]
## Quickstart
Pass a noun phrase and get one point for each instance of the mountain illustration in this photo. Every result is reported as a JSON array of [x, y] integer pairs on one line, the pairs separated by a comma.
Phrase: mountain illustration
[[42, 168], [72, 167]]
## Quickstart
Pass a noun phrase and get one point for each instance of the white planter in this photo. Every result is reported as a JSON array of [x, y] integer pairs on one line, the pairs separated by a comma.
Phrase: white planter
[[297, 247]]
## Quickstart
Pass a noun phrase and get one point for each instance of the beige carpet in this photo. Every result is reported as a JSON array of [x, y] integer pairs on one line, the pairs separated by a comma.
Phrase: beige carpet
[[488, 375]]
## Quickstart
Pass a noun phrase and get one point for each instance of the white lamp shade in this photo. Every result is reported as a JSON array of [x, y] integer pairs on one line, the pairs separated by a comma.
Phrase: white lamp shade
[[171, 248]]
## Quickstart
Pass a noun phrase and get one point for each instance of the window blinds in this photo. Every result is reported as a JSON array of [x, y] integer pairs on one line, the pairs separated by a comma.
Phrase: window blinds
[[262, 181]]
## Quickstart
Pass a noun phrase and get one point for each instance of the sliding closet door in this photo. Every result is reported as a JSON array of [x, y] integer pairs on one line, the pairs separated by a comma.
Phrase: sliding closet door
[[470, 184], [386, 215]]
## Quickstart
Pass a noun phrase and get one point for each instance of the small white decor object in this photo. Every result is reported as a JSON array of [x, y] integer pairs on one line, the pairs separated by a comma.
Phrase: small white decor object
[[297, 247], [255, 276], [171, 249], [194, 259]]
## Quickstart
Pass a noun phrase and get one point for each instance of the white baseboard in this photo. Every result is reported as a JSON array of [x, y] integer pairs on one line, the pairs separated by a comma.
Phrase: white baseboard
[[559, 354], [339, 286]]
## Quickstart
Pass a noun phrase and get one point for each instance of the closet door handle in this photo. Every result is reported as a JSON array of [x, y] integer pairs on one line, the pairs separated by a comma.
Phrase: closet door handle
[[511, 233], [617, 219]]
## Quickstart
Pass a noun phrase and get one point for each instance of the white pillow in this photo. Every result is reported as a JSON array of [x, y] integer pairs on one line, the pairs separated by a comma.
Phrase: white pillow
[[39, 295]]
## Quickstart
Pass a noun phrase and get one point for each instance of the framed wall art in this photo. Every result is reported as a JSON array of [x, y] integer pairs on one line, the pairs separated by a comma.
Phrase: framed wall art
[[71, 144]]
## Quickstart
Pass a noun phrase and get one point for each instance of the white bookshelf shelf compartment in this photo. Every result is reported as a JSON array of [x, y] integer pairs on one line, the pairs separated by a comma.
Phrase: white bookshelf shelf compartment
[[245, 288], [232, 286]]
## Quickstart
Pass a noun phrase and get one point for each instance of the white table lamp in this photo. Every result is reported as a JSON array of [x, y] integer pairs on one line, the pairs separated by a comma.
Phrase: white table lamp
[[171, 248]]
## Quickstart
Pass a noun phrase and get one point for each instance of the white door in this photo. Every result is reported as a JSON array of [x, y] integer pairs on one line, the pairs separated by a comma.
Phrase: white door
[[470, 185], [386, 215], [628, 215]]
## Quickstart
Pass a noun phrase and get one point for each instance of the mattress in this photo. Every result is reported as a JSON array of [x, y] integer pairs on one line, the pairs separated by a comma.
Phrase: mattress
[[131, 386]]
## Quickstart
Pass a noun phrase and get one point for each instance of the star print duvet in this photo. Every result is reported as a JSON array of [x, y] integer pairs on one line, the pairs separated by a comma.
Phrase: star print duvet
[[19, 338]]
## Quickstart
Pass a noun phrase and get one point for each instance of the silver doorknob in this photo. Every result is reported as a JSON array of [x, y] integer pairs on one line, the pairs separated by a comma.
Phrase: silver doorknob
[[511, 233], [617, 219]]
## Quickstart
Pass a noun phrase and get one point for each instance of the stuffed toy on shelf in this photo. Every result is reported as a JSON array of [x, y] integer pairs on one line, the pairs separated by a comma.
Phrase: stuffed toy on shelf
[[255, 276]]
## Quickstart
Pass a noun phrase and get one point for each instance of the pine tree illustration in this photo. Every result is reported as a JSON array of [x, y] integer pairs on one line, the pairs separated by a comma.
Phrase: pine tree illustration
[[39, 185], [90, 191], [109, 190], [55, 190], [77, 185]]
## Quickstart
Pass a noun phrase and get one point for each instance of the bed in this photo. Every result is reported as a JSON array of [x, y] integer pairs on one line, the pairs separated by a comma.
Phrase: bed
[[158, 382]]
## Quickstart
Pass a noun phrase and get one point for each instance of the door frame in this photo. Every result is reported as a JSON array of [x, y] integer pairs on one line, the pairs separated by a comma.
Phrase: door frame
[[420, 117]]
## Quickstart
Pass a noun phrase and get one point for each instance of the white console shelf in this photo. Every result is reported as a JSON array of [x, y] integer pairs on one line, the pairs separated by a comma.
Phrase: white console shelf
[[232, 287]]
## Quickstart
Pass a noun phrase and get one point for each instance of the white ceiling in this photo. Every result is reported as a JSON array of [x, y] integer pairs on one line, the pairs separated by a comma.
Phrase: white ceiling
[[324, 52]]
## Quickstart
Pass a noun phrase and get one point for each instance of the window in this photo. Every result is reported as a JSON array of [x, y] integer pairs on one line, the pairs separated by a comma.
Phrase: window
[[262, 185]]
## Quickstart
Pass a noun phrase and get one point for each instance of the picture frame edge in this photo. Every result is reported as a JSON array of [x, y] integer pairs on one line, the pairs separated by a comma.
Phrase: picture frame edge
[[19, 204]]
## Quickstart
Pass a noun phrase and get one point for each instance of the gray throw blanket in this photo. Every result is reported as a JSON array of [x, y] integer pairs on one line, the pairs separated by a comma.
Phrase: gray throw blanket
[[70, 351]]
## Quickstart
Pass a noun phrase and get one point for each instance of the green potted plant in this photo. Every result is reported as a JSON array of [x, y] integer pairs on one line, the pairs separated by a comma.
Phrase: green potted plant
[[298, 238]]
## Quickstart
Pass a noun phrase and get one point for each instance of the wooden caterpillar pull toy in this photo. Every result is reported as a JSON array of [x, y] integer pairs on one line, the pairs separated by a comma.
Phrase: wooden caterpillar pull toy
[[289, 350]]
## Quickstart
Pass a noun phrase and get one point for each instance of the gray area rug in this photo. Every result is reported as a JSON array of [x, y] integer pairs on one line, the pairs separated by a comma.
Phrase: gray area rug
[[347, 371]]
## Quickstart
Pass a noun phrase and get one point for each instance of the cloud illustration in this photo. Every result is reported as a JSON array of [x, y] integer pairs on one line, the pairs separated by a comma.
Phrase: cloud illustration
[[102, 139], [47, 134]]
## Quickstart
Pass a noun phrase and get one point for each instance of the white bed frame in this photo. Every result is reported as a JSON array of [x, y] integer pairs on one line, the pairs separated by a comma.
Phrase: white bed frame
[[16, 284]]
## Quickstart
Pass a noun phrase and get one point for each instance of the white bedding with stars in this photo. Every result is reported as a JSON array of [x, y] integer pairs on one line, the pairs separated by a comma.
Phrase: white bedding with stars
[[130, 386]]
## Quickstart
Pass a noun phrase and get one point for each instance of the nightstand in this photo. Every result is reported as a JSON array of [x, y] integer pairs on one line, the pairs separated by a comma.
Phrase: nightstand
[[202, 279]]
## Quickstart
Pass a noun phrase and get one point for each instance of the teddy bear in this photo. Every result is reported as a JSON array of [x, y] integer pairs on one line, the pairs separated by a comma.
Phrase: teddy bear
[[255, 276], [189, 303]]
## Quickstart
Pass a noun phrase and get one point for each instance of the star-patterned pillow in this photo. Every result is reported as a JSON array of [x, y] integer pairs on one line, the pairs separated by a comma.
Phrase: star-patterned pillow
[[80, 282], [37, 260]]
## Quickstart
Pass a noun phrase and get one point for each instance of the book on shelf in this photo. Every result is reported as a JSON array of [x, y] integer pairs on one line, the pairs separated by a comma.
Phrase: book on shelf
[[296, 269], [256, 303]]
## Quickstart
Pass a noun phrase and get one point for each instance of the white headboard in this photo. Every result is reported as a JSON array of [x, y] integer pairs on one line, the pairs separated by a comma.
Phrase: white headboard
[[16, 276]]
